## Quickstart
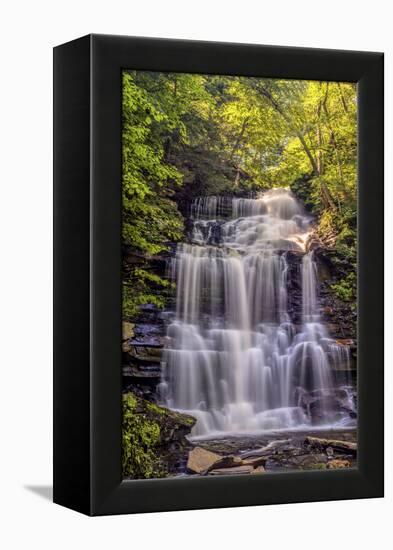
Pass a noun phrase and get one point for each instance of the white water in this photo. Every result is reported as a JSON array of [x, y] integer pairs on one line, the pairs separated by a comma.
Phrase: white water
[[233, 359]]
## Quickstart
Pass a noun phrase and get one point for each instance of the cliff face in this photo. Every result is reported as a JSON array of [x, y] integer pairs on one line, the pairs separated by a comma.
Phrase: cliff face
[[339, 314], [142, 349]]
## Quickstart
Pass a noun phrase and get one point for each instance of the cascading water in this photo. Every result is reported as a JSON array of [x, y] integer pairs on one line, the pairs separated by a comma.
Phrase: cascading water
[[233, 359]]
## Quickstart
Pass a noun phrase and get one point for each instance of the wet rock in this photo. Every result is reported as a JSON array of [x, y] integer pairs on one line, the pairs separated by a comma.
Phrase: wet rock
[[269, 449], [274, 453], [332, 327], [297, 461], [142, 368], [141, 373], [341, 316], [145, 354], [229, 461], [149, 334], [345, 341], [294, 286], [313, 243], [255, 462], [233, 445], [127, 330], [338, 403], [319, 405]]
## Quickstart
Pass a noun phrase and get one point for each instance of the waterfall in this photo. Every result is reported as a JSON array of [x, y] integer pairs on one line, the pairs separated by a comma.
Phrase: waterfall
[[233, 358]]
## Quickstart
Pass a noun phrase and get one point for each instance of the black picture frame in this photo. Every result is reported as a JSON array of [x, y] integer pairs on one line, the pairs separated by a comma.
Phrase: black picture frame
[[87, 274]]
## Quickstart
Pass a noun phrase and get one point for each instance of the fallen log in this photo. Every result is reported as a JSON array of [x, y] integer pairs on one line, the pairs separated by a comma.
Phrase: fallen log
[[347, 447]]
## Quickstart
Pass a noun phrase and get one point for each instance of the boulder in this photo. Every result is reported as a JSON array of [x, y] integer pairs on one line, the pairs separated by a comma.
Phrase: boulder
[[338, 402], [200, 460]]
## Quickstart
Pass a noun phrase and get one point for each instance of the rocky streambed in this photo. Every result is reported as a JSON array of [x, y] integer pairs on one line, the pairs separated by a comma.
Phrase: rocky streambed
[[157, 443], [273, 452]]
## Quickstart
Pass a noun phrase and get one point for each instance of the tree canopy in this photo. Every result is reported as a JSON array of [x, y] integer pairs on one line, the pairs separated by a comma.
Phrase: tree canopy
[[188, 135]]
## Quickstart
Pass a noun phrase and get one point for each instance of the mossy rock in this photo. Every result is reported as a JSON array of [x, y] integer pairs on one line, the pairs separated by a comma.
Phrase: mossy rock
[[154, 438]]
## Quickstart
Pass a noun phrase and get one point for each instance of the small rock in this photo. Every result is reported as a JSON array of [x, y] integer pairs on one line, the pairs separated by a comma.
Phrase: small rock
[[128, 330], [200, 460], [338, 463]]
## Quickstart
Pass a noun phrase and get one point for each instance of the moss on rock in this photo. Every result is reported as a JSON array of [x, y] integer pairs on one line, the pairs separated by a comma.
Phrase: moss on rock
[[154, 442]]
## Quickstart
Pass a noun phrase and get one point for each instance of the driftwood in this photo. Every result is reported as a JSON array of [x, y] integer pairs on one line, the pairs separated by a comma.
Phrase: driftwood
[[346, 447]]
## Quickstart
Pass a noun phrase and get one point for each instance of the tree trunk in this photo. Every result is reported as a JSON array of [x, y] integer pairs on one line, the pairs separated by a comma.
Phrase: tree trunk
[[344, 103], [239, 138], [297, 132], [319, 139], [335, 144], [326, 196], [237, 177]]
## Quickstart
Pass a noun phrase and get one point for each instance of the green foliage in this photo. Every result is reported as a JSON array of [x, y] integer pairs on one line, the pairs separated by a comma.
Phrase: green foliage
[[186, 135], [143, 287], [140, 437], [150, 217], [148, 435], [346, 288]]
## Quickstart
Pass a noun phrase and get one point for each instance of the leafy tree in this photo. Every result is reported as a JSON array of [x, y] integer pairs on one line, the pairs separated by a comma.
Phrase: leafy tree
[[150, 217], [186, 135]]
